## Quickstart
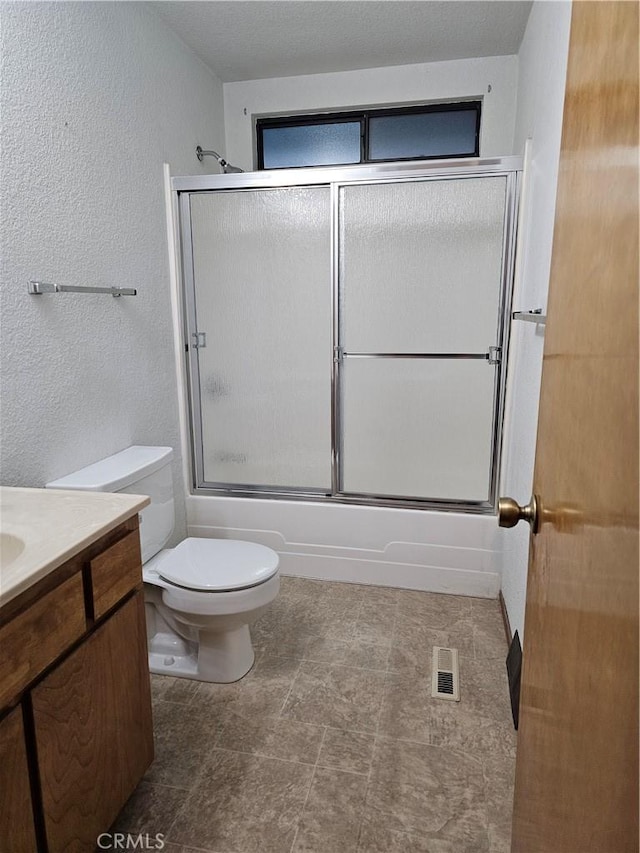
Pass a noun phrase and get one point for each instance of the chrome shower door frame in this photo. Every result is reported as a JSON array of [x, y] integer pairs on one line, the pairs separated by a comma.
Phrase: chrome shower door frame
[[336, 179]]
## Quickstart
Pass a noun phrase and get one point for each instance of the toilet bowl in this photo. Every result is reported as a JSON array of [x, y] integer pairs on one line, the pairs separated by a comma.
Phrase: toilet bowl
[[201, 596], [200, 599]]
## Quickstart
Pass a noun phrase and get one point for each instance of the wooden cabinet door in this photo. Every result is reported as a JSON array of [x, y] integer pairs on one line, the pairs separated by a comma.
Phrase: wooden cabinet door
[[17, 833], [93, 730]]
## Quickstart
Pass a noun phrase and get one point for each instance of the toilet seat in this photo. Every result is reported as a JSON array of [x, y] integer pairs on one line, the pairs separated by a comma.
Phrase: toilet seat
[[217, 565]]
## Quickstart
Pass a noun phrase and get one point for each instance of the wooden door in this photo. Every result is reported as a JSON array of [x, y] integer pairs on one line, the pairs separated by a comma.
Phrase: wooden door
[[577, 764], [93, 728]]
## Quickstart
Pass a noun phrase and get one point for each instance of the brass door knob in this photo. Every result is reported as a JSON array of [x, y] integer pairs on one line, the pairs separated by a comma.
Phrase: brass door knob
[[510, 513]]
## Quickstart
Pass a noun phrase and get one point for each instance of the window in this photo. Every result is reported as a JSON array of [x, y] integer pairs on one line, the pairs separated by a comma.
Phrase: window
[[372, 136]]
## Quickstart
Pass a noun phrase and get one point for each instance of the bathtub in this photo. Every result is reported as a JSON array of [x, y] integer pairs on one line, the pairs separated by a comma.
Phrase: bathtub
[[444, 552]]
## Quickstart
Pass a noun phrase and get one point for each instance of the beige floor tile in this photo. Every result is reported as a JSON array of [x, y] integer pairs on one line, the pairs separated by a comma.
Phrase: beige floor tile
[[357, 652], [170, 689], [261, 692], [339, 706], [376, 836], [330, 822], [345, 592], [490, 645], [182, 740], [429, 792], [273, 737], [486, 688], [333, 617], [499, 778], [363, 654], [375, 623], [323, 649], [285, 629], [292, 586], [344, 750], [486, 609], [487, 617], [409, 712], [282, 630], [412, 647], [315, 590], [489, 639], [150, 809], [379, 594], [244, 804], [336, 696], [180, 848], [434, 610], [286, 642], [169, 847], [457, 627]]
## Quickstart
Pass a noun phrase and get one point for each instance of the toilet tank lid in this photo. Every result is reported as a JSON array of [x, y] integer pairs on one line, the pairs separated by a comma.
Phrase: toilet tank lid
[[116, 472]]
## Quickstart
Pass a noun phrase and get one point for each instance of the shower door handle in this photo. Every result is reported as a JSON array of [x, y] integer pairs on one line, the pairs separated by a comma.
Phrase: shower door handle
[[510, 513]]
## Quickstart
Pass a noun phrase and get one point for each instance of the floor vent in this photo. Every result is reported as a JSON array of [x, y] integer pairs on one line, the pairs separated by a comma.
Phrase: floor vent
[[445, 682]]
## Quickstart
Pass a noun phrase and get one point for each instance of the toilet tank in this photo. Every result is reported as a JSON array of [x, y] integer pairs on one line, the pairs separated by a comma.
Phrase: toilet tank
[[138, 470]]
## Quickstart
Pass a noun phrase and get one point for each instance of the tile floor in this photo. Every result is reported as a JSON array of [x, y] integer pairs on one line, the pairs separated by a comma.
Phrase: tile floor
[[332, 742]]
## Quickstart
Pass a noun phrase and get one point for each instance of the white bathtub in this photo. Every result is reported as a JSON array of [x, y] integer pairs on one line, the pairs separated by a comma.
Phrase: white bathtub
[[416, 549]]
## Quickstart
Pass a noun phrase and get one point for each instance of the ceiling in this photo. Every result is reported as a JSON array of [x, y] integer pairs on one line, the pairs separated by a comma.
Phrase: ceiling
[[253, 39]]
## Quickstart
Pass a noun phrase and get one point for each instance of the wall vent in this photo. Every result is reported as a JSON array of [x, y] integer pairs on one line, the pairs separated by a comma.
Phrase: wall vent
[[445, 680]]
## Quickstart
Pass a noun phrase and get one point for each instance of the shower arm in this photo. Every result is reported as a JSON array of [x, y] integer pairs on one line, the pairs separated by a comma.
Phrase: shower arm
[[226, 167]]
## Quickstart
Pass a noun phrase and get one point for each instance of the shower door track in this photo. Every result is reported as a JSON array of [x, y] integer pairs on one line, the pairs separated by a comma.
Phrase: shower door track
[[336, 178]]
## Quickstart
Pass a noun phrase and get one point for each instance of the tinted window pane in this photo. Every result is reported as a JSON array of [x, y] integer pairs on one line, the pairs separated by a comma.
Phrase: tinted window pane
[[311, 145], [445, 134]]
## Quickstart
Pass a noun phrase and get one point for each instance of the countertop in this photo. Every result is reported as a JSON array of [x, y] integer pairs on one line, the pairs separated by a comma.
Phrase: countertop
[[40, 529]]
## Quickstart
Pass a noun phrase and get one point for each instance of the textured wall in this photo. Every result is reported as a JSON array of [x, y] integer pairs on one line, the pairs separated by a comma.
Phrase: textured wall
[[541, 85], [95, 96], [462, 78]]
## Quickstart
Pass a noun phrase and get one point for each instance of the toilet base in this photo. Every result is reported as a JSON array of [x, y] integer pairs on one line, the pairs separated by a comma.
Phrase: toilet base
[[219, 657]]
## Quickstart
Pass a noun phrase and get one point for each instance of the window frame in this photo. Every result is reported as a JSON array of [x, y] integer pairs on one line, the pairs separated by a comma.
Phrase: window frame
[[363, 116]]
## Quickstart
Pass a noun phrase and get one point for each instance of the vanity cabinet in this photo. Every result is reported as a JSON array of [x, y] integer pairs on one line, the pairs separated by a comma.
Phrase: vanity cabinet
[[76, 733], [17, 831]]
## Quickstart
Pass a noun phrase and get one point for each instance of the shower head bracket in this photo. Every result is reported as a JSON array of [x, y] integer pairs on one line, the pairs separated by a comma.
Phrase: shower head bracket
[[226, 167]]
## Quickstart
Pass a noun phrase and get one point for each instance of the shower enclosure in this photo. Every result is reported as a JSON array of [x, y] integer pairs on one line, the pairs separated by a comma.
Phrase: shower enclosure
[[346, 330]]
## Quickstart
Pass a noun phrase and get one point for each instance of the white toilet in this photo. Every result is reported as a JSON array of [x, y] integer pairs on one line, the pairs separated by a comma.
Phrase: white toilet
[[201, 596]]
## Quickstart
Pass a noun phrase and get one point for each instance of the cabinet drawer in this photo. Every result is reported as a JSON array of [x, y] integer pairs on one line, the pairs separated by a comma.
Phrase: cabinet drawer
[[36, 637], [116, 572]]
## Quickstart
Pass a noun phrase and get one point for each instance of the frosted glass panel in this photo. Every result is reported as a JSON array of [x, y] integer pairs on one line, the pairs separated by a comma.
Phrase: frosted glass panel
[[262, 284], [447, 134], [311, 145], [421, 265], [415, 427]]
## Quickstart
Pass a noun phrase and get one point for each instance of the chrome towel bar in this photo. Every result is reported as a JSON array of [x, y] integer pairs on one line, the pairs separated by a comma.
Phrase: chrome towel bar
[[39, 287]]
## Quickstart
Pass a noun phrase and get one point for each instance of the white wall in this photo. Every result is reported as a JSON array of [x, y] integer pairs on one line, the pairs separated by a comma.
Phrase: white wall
[[95, 96], [464, 78], [541, 85]]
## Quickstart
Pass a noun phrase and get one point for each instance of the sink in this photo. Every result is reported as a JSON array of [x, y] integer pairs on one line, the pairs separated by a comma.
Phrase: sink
[[10, 548]]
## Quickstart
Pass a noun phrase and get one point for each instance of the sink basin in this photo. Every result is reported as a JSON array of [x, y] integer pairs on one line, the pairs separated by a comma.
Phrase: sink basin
[[10, 549]]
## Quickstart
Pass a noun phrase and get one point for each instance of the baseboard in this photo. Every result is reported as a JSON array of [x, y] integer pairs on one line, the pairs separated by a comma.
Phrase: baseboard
[[505, 619]]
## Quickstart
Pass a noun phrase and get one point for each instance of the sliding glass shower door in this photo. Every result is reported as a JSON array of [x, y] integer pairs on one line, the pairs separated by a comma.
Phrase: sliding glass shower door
[[346, 332], [421, 287], [262, 302]]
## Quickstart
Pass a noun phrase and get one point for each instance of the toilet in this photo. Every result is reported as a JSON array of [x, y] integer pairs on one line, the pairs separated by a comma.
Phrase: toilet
[[201, 596]]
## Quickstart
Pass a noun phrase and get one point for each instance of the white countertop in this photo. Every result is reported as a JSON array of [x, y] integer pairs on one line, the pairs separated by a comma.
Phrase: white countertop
[[40, 529]]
